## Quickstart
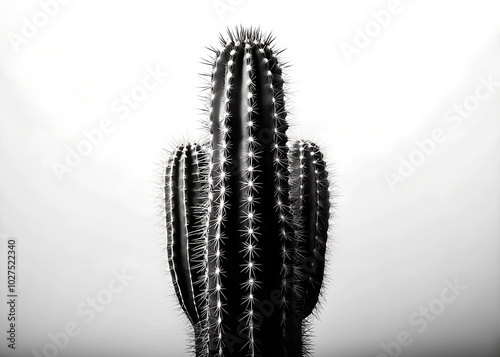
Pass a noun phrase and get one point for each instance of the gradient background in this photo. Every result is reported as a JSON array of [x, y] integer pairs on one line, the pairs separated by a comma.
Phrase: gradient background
[[392, 249]]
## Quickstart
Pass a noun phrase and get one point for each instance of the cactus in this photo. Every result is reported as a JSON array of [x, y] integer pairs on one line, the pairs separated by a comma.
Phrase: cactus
[[247, 213]]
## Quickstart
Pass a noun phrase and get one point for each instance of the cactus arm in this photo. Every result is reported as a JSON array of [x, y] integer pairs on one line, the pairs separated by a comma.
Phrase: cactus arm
[[177, 240], [312, 207], [184, 196]]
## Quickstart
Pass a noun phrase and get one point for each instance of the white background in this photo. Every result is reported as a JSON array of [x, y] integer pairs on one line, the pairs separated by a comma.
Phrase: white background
[[394, 245]]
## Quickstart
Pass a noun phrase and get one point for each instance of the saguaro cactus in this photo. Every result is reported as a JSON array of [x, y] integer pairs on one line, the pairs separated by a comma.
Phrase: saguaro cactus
[[247, 213]]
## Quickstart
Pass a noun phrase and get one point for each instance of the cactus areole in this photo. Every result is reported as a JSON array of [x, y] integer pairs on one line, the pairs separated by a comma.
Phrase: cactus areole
[[247, 213]]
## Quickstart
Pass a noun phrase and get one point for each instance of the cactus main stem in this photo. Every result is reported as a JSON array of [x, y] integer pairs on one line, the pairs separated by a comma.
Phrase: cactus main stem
[[247, 214], [243, 211]]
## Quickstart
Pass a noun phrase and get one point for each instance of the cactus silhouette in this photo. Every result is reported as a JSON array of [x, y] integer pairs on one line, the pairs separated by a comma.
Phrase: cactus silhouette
[[247, 213]]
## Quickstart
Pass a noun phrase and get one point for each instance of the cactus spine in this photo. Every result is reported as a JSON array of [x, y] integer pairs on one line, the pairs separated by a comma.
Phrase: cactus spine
[[247, 213]]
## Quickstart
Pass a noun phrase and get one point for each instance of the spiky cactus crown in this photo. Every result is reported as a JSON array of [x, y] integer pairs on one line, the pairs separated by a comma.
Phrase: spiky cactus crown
[[247, 212]]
